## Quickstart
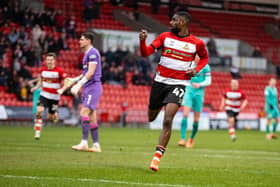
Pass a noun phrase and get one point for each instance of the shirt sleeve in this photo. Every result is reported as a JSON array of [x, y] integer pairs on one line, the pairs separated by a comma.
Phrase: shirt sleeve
[[203, 55], [92, 58], [225, 94], [158, 42], [62, 74], [208, 78], [243, 95], [206, 82]]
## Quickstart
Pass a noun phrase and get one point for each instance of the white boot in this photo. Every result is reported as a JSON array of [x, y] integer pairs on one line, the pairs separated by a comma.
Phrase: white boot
[[37, 135], [95, 148], [83, 146]]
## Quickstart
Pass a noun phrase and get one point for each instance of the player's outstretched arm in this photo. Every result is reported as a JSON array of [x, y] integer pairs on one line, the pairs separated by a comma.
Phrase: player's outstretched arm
[[68, 82], [91, 69]]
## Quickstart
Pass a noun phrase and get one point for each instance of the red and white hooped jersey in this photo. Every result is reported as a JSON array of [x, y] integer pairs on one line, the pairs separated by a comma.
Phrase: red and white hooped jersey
[[178, 55], [234, 99], [51, 82]]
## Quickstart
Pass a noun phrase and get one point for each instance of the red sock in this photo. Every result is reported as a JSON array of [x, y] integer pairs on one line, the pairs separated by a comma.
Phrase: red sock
[[159, 152], [231, 131], [38, 124]]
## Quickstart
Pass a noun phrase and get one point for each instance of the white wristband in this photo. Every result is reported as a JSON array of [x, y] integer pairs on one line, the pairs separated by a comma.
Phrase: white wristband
[[82, 81]]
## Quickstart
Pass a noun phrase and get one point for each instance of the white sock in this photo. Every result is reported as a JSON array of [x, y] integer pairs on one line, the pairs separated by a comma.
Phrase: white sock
[[96, 144], [84, 142]]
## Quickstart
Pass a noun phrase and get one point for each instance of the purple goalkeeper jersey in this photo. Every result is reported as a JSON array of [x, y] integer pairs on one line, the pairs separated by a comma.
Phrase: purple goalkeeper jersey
[[92, 89], [92, 56]]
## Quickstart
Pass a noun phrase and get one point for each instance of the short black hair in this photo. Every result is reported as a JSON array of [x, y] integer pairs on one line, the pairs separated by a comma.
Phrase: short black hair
[[88, 35], [186, 15], [51, 54]]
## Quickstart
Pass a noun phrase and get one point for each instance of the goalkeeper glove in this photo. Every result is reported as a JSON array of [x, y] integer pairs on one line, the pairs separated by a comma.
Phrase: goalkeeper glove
[[75, 89]]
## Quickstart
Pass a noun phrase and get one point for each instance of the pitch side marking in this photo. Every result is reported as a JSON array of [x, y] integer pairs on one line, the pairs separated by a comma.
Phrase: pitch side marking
[[93, 180]]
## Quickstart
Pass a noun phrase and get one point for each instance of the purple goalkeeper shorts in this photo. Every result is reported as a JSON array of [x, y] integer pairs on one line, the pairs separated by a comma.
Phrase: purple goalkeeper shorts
[[91, 95]]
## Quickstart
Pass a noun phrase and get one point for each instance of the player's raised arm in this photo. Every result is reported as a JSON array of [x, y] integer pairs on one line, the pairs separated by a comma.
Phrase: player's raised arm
[[150, 49]]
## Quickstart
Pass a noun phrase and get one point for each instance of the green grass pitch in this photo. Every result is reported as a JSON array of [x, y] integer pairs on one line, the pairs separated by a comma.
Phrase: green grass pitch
[[126, 154]]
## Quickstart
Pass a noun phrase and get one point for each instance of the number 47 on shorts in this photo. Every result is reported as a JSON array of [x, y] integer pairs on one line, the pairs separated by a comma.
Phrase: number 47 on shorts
[[179, 92]]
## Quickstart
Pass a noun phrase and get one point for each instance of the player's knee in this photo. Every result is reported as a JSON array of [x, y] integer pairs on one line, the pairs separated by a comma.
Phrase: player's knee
[[85, 112], [53, 117], [186, 113], [167, 121], [231, 120], [40, 110], [50, 118]]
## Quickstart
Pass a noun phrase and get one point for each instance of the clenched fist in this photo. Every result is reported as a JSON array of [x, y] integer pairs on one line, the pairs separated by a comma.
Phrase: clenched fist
[[143, 35]]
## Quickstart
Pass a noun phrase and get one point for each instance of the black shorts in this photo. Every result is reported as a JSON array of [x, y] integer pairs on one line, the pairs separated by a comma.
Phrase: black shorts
[[231, 113], [161, 94], [52, 105]]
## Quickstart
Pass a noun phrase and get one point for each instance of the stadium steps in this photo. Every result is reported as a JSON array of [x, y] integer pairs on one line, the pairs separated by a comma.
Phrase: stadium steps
[[249, 28], [106, 20], [196, 27]]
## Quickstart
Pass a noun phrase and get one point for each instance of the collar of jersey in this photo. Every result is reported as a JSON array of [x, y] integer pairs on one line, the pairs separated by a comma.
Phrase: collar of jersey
[[88, 50], [184, 35]]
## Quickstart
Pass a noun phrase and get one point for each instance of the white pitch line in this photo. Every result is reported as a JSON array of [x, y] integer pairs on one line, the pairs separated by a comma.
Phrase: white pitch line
[[254, 152], [238, 157], [93, 180]]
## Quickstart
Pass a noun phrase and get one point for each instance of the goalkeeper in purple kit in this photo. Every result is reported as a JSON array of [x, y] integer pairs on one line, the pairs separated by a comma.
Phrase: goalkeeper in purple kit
[[91, 93]]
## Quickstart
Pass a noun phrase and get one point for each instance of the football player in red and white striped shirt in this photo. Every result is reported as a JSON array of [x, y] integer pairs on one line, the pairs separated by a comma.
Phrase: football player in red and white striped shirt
[[174, 71], [233, 101], [50, 80]]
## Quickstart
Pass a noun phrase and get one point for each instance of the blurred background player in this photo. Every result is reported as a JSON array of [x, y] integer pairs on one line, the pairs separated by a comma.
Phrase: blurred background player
[[271, 108], [50, 80], [174, 71], [92, 90], [193, 99], [233, 101], [35, 96]]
